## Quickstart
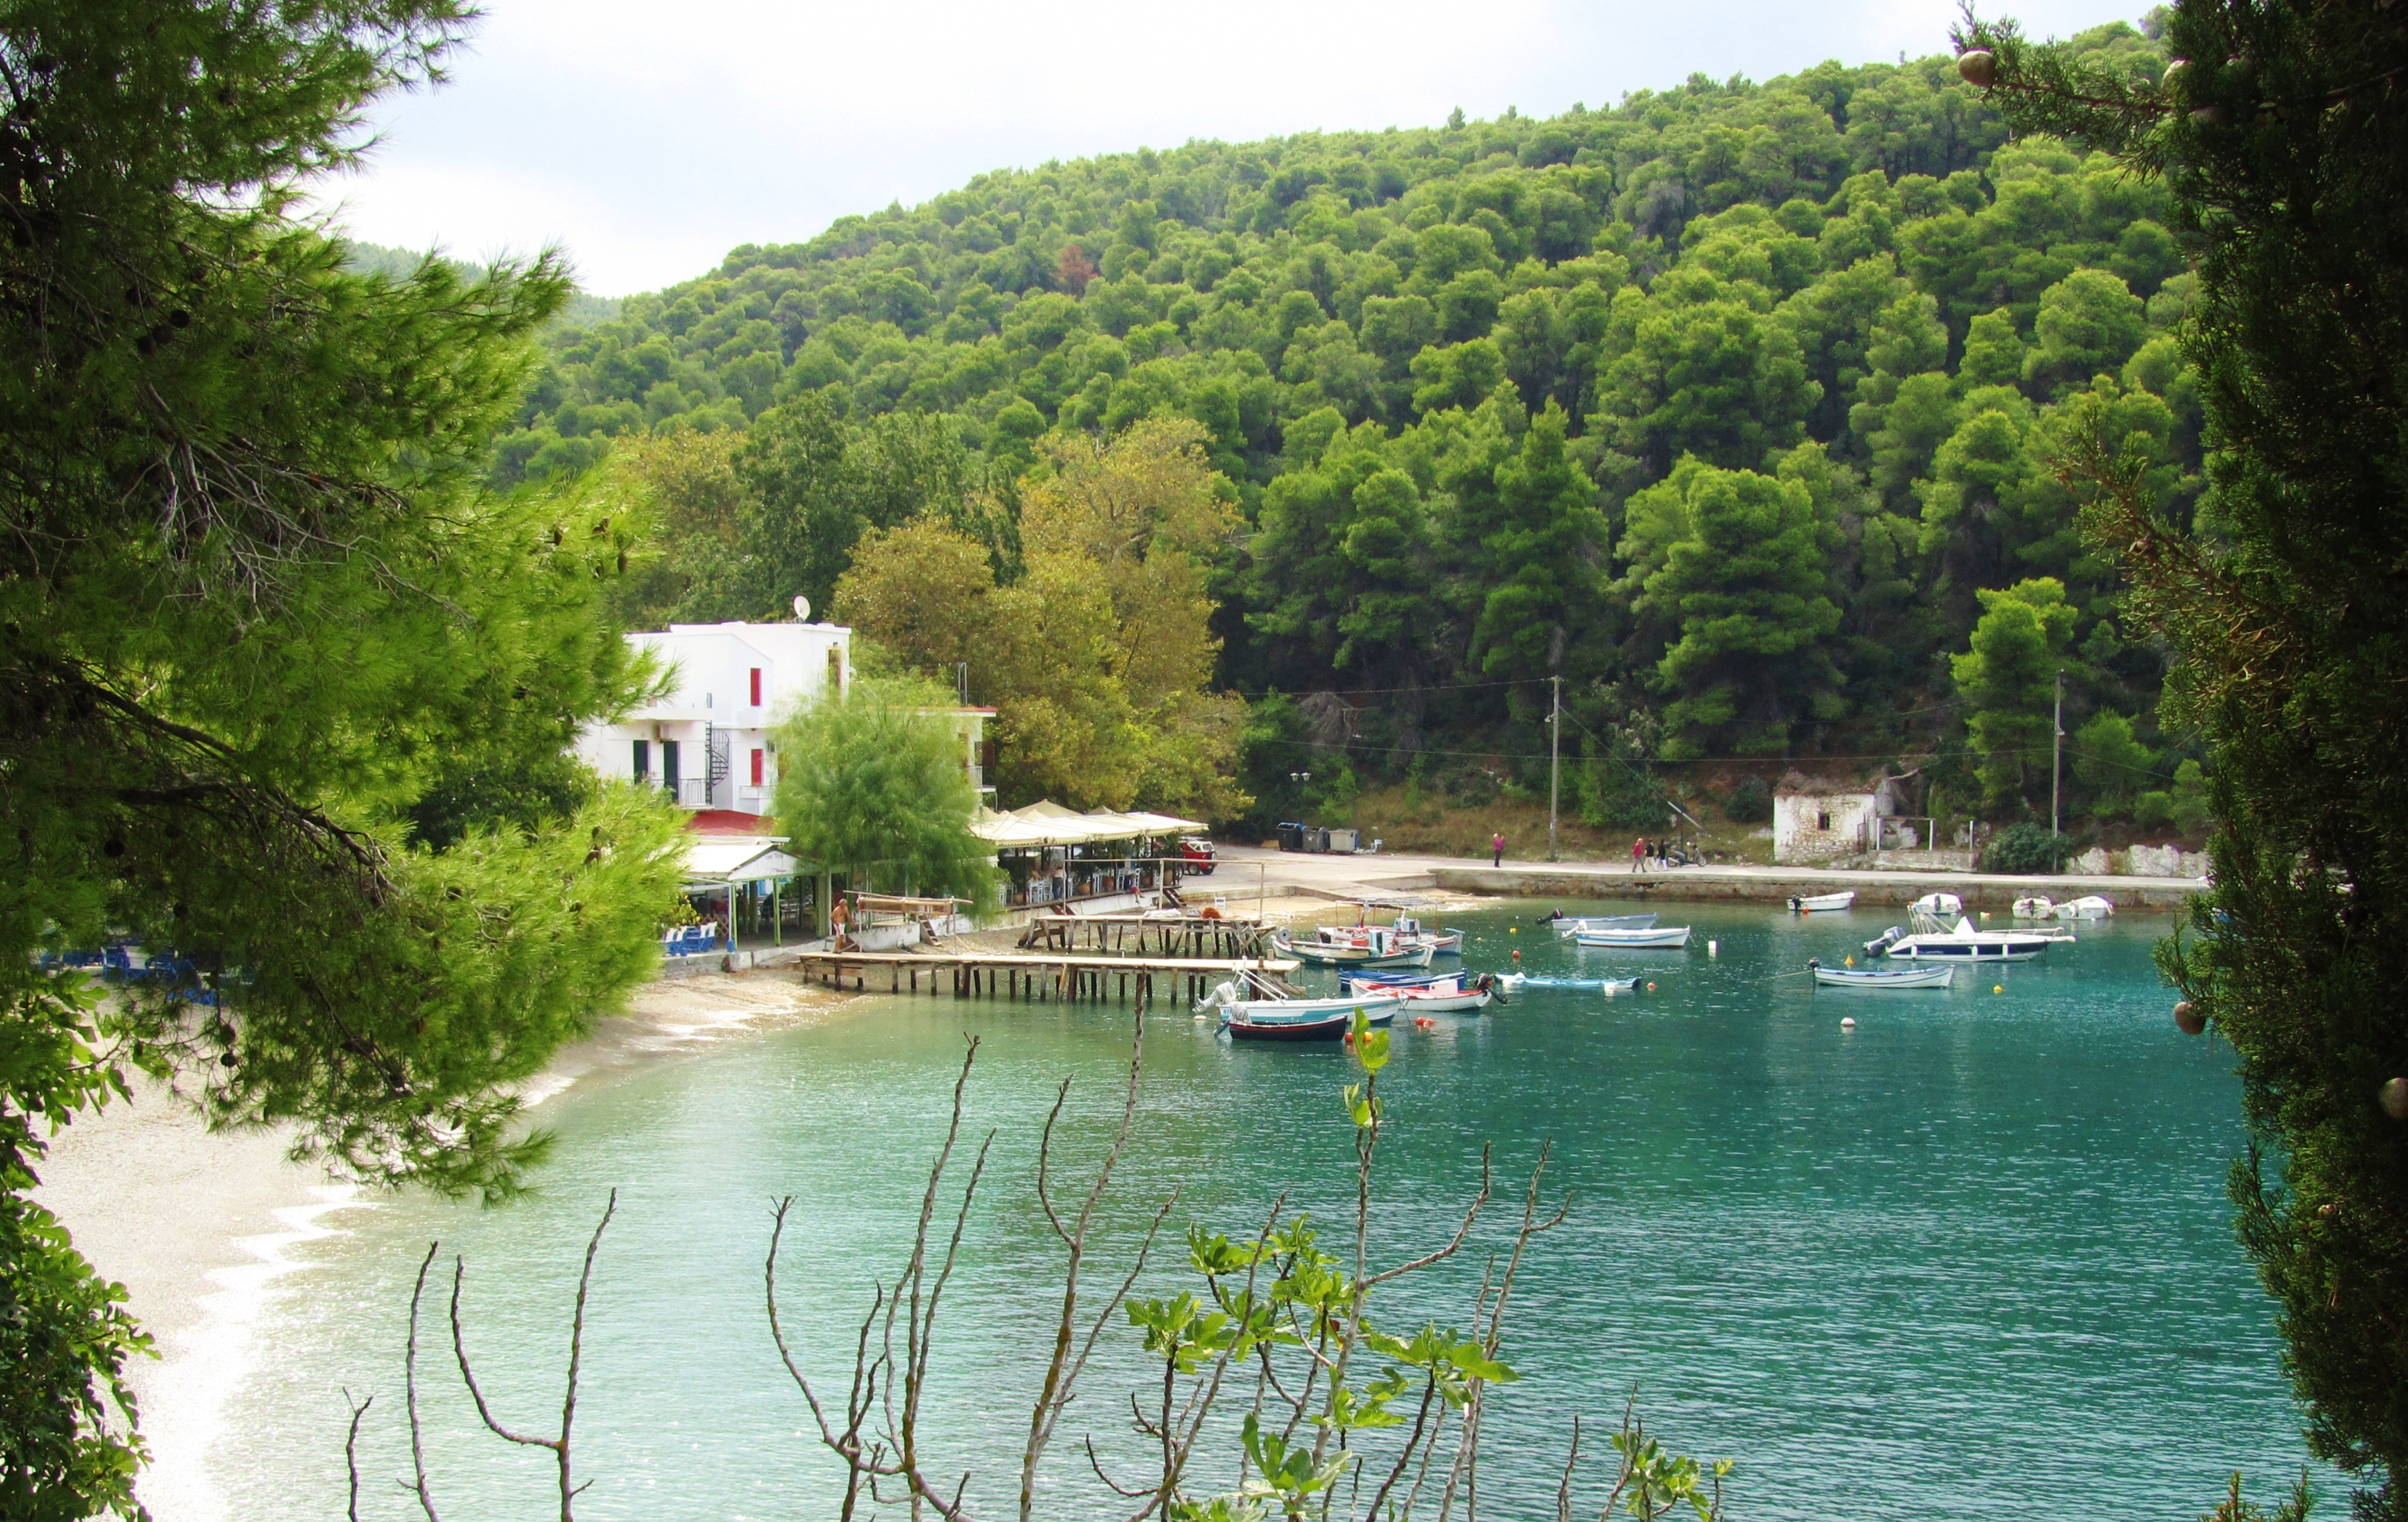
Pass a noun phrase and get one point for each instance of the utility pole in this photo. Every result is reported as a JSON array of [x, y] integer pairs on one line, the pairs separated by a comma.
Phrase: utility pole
[[1554, 760], [2056, 757]]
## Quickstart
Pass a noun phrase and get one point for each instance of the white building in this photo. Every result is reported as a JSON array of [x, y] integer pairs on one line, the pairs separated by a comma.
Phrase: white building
[[707, 740], [1831, 819]]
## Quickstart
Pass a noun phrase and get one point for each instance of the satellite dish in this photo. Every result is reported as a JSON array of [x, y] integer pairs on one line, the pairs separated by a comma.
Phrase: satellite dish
[[803, 609]]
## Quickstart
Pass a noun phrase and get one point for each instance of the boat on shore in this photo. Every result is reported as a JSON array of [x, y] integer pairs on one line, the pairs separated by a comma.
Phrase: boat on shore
[[1822, 902], [1848, 977], [1572, 924], [1667, 938]]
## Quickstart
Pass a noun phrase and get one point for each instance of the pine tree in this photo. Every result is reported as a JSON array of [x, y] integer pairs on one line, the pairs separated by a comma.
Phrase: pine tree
[[2281, 131], [262, 638]]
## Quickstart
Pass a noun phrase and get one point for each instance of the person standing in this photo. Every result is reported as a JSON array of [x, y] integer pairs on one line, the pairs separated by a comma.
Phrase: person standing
[[1497, 848], [1638, 857]]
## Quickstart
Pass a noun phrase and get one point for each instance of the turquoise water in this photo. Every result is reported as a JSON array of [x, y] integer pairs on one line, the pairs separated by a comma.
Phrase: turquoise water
[[1971, 1259]]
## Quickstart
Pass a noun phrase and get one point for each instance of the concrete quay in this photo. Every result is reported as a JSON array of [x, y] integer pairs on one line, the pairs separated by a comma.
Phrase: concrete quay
[[1245, 870]]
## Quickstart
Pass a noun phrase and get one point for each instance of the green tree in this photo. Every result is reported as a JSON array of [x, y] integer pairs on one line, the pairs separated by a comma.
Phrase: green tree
[[1730, 567], [2109, 762], [1541, 553], [874, 784], [250, 629], [2008, 681]]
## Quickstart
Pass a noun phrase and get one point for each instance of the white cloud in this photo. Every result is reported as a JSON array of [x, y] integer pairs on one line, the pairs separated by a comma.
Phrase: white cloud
[[651, 142]]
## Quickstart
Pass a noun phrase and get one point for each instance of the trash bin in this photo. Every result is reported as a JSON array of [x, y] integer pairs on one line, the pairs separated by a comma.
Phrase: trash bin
[[1291, 835], [1344, 841], [1317, 839]]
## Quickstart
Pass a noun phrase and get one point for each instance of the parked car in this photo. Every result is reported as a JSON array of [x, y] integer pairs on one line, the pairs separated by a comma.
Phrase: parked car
[[1196, 856]]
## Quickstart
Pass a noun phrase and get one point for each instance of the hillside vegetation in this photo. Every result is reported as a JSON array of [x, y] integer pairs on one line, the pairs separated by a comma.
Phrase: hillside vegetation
[[1731, 406]]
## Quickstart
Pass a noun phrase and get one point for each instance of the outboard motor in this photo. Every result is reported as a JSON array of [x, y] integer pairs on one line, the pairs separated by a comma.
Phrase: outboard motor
[[1881, 944], [1487, 984]]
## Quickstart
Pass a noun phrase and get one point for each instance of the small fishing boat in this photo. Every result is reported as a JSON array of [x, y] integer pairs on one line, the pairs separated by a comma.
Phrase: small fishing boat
[[1822, 902], [1374, 946], [2089, 908], [2034, 908], [1514, 982], [1574, 925], [1444, 940], [1668, 937], [1847, 977], [1261, 1014], [1446, 1000], [1937, 904]]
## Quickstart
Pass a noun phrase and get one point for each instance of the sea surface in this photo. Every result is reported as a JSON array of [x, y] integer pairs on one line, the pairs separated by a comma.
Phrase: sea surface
[[1969, 1260]]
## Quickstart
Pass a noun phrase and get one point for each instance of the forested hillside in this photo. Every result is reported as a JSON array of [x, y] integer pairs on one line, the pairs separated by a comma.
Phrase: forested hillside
[[1733, 406]]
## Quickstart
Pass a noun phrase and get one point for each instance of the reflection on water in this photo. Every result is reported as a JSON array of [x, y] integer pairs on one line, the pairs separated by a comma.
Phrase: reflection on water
[[1970, 1259]]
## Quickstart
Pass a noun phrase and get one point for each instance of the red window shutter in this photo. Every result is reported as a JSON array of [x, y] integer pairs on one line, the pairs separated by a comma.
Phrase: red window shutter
[[757, 693], [756, 762]]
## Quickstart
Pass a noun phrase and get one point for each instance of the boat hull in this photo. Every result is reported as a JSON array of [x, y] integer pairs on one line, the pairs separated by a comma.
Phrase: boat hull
[[1574, 925], [1456, 1002], [1514, 982], [1977, 949], [1330, 1029], [1667, 939], [1839, 977], [1823, 903]]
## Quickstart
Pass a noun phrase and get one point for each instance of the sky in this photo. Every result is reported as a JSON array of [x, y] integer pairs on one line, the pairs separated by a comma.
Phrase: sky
[[647, 140]]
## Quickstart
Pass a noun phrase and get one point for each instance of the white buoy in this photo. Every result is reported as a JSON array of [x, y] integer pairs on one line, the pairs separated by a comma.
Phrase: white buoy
[[1847, 1022], [1713, 948]]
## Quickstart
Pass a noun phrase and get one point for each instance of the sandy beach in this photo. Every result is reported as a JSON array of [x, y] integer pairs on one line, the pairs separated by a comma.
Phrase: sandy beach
[[200, 1226]]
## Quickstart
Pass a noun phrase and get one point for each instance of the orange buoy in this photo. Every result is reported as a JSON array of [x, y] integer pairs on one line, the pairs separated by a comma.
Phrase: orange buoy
[[1650, 988]]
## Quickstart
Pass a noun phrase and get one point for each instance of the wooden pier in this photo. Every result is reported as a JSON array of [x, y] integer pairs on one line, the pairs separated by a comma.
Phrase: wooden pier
[[1191, 936], [1035, 975]]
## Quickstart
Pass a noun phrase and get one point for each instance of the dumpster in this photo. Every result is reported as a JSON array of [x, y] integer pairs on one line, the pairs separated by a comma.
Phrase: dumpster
[[1291, 835]]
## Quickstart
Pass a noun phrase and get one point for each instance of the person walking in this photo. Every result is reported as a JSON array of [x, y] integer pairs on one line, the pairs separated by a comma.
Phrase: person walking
[[1638, 857], [1497, 848]]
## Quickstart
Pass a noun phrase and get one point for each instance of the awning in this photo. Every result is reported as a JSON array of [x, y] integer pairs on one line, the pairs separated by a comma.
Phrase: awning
[[718, 860], [1050, 823]]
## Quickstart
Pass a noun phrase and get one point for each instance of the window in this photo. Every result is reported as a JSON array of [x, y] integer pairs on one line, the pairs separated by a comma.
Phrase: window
[[643, 760], [756, 692], [1823, 819], [756, 760]]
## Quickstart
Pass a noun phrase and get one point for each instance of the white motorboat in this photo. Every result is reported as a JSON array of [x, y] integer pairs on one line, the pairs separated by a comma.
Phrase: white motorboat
[[1574, 925], [1937, 904], [1848, 977], [1962, 944], [1674, 936], [2037, 907], [1821, 902], [2090, 907]]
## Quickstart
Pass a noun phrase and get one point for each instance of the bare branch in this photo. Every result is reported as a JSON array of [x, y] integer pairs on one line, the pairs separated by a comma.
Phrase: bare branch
[[351, 1455], [409, 1393]]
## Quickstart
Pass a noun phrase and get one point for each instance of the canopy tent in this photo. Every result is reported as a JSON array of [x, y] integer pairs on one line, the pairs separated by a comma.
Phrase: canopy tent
[[1046, 824]]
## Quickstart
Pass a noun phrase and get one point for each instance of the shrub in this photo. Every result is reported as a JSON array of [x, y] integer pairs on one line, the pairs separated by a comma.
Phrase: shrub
[[1750, 802], [2024, 848]]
